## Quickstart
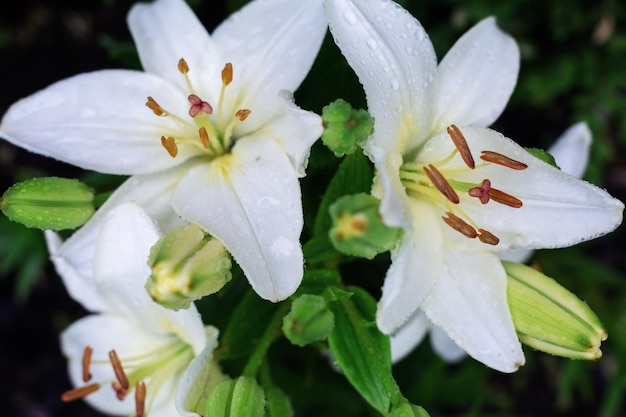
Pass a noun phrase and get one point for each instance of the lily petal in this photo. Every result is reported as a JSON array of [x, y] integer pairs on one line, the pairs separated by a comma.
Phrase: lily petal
[[476, 77], [571, 150], [444, 346], [77, 121], [395, 61], [484, 329], [394, 203], [250, 201], [409, 336], [165, 31]]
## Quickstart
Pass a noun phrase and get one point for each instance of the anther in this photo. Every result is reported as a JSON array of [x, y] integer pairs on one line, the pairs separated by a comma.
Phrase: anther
[[86, 363], [227, 74], [119, 370], [481, 192], [182, 66], [155, 107], [169, 144], [459, 225], [487, 237], [499, 159], [504, 198], [204, 137], [140, 398], [77, 393], [242, 114], [198, 105], [461, 145], [441, 184]]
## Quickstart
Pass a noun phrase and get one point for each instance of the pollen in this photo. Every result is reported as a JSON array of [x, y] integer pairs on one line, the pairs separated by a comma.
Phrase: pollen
[[119, 370], [459, 225], [182, 66], [242, 114], [204, 137], [504, 198], [227, 74], [140, 398], [155, 107], [440, 182], [499, 159], [461, 145], [169, 143], [488, 237], [78, 393], [86, 363]]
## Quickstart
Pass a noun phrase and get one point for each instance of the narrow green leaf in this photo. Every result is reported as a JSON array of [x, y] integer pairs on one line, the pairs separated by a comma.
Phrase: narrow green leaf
[[278, 403]]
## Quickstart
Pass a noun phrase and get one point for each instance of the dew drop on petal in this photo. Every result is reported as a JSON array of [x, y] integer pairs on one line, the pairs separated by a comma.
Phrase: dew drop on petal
[[372, 44], [350, 18]]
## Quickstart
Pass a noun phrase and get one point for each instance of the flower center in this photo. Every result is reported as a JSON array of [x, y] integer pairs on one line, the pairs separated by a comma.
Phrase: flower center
[[211, 133], [436, 183], [144, 373]]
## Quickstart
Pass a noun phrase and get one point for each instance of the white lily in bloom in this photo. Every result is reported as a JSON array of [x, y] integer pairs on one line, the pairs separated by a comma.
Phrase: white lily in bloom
[[571, 153], [461, 192], [129, 355], [214, 110]]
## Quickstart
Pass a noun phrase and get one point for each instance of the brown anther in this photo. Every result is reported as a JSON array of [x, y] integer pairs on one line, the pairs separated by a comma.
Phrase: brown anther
[[140, 398], [481, 192], [499, 159], [461, 145], [120, 392], [119, 370], [227, 74], [440, 182], [242, 114], [169, 144], [155, 107], [504, 198], [86, 363], [182, 66], [204, 137], [488, 237], [78, 393], [459, 225], [198, 105]]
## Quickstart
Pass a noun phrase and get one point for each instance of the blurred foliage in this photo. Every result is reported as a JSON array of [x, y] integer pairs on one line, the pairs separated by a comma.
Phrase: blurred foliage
[[572, 69]]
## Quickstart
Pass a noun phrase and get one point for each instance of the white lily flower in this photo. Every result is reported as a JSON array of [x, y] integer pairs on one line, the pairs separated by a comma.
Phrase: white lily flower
[[461, 192], [129, 355], [214, 110]]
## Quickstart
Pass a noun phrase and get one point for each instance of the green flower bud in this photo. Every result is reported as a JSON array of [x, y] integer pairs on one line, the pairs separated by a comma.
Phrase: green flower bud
[[549, 318], [187, 264], [344, 127], [308, 321], [49, 203], [358, 229], [240, 397]]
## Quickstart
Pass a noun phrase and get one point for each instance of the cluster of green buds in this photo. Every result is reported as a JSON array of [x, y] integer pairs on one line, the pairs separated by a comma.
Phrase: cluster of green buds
[[345, 127]]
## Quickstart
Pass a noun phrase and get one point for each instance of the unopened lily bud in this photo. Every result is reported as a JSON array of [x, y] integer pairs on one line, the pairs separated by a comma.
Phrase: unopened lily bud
[[358, 229], [309, 320], [187, 264], [240, 397], [345, 127], [49, 203], [549, 318]]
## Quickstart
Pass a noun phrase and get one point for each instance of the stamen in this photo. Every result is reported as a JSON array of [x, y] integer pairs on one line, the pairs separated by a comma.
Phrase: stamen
[[182, 66], [499, 159], [120, 392], [119, 370], [461, 145], [77, 393], [459, 225], [482, 192], [242, 114], [504, 198], [227, 74], [86, 363], [140, 398], [169, 144], [198, 105], [488, 237], [204, 137], [441, 184], [155, 107]]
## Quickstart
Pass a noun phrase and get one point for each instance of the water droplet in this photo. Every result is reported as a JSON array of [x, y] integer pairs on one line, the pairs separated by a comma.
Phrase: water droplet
[[350, 18], [372, 44], [408, 50], [394, 85]]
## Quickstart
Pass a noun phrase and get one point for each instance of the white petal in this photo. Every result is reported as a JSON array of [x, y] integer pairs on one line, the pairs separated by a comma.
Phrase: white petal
[[199, 379], [416, 265], [571, 150], [272, 44], [98, 121], [408, 336], [167, 30], [250, 201], [394, 60], [476, 77], [469, 304], [394, 203], [444, 346]]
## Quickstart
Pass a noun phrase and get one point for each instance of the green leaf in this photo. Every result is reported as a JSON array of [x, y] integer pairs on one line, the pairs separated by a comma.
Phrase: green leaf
[[543, 155], [241, 397], [319, 249], [278, 403]]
